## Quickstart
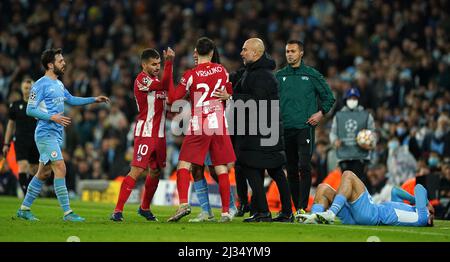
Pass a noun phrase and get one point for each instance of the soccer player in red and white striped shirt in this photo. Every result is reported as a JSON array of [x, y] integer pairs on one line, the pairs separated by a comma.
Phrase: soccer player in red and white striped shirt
[[208, 131], [149, 133]]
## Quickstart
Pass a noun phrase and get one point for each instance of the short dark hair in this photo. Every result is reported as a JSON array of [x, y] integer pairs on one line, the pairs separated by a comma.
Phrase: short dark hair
[[296, 42], [204, 46], [149, 53], [48, 56]]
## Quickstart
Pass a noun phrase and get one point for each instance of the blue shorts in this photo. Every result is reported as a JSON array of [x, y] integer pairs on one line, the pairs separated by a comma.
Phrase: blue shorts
[[345, 215], [49, 150], [363, 210]]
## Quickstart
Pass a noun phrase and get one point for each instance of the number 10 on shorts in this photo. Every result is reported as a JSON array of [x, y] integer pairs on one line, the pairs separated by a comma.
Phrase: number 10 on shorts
[[142, 149]]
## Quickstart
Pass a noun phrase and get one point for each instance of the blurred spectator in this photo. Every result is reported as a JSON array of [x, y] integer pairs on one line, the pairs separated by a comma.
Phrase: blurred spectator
[[436, 140], [401, 163], [320, 162], [443, 211]]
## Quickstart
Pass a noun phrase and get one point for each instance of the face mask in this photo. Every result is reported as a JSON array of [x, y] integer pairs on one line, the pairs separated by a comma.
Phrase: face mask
[[433, 162], [400, 131], [352, 103], [393, 145]]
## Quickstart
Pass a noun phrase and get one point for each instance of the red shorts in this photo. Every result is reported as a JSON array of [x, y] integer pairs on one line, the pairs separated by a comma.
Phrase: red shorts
[[195, 148], [149, 152]]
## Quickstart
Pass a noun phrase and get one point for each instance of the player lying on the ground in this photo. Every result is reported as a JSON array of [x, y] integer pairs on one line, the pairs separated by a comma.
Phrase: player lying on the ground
[[353, 205]]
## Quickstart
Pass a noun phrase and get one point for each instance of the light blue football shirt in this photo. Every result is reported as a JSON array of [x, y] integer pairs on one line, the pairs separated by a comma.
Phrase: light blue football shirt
[[47, 98]]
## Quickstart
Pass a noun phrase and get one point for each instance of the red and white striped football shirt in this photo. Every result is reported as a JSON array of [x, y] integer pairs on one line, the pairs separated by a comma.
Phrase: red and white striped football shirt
[[150, 94]]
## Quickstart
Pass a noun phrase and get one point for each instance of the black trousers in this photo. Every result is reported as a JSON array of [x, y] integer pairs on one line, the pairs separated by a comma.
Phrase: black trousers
[[241, 185], [358, 167], [299, 148], [255, 177]]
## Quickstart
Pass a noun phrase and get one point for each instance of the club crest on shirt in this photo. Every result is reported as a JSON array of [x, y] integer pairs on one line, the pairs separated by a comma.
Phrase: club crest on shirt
[[54, 154], [145, 80]]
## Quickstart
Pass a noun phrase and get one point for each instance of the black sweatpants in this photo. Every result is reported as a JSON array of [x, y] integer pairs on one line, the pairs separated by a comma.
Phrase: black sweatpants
[[241, 185], [299, 148], [255, 177]]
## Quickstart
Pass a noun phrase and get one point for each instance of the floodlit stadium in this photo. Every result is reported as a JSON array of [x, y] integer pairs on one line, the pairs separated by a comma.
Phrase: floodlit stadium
[[101, 101]]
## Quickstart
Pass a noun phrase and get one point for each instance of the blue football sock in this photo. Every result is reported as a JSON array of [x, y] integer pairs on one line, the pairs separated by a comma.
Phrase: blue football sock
[[398, 195], [201, 189], [61, 193], [338, 203], [317, 208], [232, 204], [34, 189], [421, 197], [420, 194]]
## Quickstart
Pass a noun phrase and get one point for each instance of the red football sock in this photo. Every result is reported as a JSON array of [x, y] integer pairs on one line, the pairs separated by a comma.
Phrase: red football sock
[[125, 191], [151, 184], [183, 179], [224, 189]]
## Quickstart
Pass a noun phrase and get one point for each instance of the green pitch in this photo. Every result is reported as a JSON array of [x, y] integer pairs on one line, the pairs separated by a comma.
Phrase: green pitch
[[98, 227]]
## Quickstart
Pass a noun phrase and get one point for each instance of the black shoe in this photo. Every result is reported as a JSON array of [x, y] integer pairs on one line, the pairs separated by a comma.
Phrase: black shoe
[[259, 217], [242, 209], [285, 218], [147, 214], [117, 216]]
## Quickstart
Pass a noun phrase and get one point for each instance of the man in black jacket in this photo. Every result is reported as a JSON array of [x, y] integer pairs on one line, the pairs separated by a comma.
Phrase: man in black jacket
[[256, 96]]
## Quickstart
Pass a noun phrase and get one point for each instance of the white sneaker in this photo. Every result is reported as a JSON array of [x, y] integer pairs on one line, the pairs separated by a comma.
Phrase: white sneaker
[[203, 217], [225, 217], [326, 217], [307, 218]]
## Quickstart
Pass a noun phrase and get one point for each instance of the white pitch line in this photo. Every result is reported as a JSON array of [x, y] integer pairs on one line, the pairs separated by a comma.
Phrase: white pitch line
[[388, 230]]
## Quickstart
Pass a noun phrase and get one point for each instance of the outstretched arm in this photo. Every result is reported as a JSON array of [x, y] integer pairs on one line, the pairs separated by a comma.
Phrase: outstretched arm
[[77, 101]]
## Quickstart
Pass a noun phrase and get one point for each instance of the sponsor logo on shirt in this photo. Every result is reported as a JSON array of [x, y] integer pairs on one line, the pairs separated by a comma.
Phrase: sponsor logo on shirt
[[58, 100], [161, 95]]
